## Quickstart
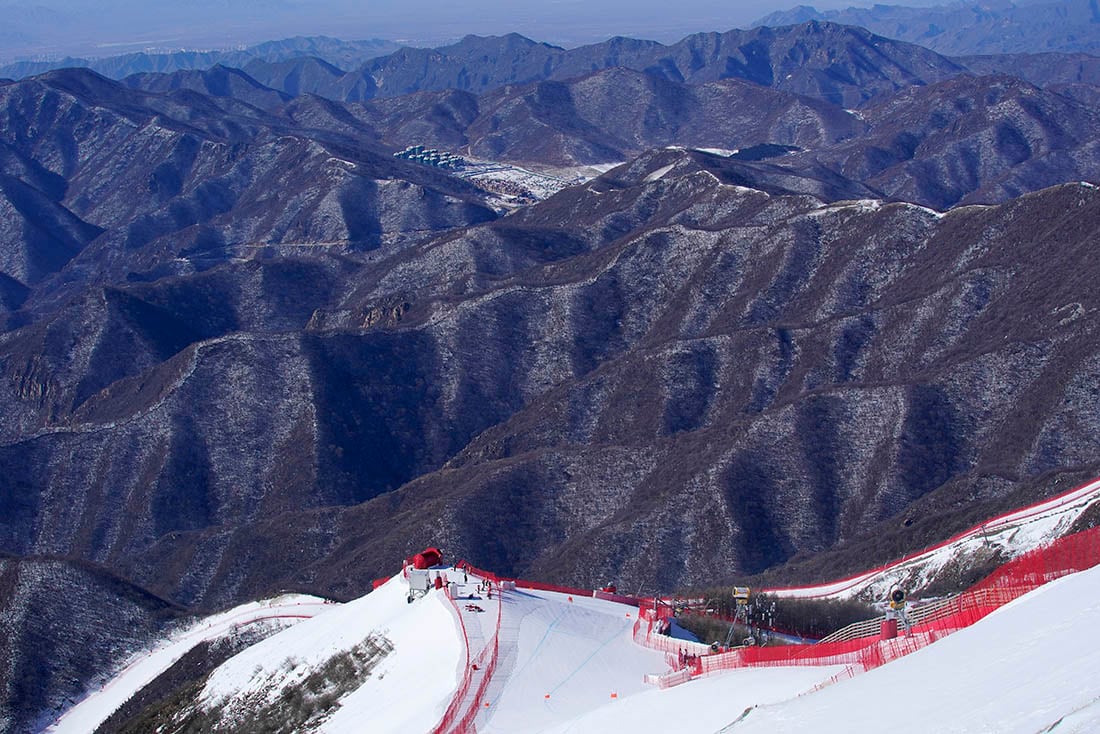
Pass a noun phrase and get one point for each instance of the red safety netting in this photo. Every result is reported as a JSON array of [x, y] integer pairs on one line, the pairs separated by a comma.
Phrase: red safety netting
[[1069, 554], [617, 598], [1082, 495], [470, 694], [646, 633], [525, 584]]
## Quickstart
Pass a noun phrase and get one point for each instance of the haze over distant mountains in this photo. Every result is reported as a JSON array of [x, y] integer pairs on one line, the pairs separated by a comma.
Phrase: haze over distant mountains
[[953, 29], [344, 54], [971, 28]]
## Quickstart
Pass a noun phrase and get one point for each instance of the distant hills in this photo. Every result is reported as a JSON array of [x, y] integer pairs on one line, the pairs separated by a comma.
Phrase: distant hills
[[565, 122], [969, 28], [839, 64], [344, 54], [959, 29]]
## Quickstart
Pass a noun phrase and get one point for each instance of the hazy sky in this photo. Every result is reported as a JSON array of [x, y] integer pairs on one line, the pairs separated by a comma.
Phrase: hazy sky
[[105, 27]]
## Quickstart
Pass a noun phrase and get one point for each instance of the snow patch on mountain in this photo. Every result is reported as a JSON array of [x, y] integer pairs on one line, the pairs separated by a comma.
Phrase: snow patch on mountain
[[659, 173]]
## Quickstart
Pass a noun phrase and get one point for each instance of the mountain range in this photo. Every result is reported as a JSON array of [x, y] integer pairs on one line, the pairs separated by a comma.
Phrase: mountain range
[[969, 28], [345, 54], [955, 29], [840, 64], [829, 302]]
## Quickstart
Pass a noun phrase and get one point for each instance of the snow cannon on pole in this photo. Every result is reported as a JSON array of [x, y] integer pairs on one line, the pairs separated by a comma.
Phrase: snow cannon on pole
[[741, 596], [895, 611]]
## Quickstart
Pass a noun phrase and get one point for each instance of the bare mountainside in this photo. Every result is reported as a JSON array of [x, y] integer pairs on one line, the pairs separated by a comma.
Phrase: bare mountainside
[[967, 139], [608, 115], [839, 64], [64, 621], [108, 183], [246, 349], [665, 361]]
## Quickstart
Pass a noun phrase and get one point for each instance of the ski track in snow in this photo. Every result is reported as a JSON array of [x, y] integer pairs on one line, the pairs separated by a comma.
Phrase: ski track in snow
[[1019, 671], [145, 666], [568, 665], [1015, 533], [579, 653]]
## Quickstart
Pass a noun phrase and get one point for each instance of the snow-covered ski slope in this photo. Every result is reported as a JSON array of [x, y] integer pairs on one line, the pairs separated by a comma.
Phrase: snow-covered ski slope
[[560, 659], [407, 692], [1032, 666], [568, 664], [1011, 534], [143, 667]]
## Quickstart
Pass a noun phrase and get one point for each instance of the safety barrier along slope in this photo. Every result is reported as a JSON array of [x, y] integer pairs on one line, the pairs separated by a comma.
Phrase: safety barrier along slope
[[1075, 500], [479, 669], [1068, 554]]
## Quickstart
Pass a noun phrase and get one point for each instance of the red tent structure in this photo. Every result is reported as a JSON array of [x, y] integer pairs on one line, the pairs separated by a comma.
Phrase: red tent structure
[[427, 558]]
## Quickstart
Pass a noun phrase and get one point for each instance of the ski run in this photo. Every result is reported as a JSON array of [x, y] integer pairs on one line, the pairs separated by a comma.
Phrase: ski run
[[572, 666], [494, 658]]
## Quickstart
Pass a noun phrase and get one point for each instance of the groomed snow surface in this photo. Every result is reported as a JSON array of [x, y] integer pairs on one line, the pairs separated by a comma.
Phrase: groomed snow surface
[[407, 692], [1033, 666]]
